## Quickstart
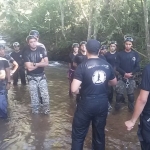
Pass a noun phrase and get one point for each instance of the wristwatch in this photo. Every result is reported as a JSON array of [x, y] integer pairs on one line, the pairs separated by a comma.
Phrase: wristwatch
[[34, 64]]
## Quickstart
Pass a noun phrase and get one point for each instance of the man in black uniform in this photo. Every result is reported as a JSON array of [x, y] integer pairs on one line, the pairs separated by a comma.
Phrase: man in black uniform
[[82, 54], [36, 59], [79, 58], [142, 109], [127, 64], [9, 58], [93, 75], [17, 56], [72, 55], [4, 86], [111, 59], [102, 52], [37, 35]]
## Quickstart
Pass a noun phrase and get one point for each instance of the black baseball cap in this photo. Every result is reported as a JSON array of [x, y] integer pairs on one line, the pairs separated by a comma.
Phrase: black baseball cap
[[93, 46]]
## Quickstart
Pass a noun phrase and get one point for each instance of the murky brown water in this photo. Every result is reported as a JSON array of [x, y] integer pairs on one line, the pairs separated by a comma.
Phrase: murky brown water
[[24, 131]]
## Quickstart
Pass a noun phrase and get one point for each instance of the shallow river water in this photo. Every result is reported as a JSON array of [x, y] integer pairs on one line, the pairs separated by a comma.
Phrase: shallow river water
[[25, 131]]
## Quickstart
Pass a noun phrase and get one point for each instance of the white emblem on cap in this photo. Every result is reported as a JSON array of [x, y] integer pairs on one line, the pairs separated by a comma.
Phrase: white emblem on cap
[[41, 56], [99, 77]]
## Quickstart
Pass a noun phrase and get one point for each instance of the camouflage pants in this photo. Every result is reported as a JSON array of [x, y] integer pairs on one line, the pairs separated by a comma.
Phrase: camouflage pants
[[39, 94], [123, 86]]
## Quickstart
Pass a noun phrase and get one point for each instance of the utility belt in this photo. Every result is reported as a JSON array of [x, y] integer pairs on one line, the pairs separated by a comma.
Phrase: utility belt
[[35, 76], [94, 96]]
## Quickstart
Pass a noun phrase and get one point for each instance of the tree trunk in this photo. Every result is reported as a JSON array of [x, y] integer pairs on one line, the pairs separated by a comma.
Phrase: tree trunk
[[147, 38], [62, 18], [91, 10]]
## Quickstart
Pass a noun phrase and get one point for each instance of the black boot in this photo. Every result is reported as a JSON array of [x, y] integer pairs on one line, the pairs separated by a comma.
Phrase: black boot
[[119, 98], [131, 102]]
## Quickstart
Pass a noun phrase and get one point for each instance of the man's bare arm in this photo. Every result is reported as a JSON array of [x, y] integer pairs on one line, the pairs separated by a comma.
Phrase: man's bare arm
[[43, 63], [2, 74], [112, 82], [15, 66], [75, 86], [29, 66], [139, 106], [7, 74]]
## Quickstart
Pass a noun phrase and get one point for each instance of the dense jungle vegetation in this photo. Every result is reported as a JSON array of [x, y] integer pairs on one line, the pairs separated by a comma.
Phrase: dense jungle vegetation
[[62, 22]]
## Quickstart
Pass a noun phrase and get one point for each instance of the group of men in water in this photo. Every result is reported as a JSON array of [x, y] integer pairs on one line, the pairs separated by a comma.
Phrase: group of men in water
[[124, 63], [94, 73], [33, 58]]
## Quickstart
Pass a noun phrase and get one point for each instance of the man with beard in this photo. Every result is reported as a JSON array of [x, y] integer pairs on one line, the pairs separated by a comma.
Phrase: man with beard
[[127, 64], [36, 59], [102, 52]]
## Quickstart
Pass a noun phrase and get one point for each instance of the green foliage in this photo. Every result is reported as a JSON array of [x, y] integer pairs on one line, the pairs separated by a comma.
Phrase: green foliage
[[111, 20]]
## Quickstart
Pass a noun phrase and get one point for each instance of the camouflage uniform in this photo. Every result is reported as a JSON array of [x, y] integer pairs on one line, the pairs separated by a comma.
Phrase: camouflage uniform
[[123, 86], [129, 86], [39, 94]]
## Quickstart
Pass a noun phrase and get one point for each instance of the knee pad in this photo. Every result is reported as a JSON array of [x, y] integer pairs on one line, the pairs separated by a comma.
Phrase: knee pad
[[131, 98], [119, 98]]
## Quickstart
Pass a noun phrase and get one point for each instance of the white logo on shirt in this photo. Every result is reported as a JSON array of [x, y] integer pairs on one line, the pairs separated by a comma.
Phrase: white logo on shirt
[[99, 77], [134, 59], [20, 55], [41, 56], [106, 66]]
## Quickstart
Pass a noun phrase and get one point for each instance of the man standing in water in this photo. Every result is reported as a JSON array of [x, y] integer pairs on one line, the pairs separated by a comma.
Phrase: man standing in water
[[102, 52], [75, 47], [81, 56], [37, 35], [111, 59], [142, 109], [93, 75], [9, 58], [36, 59], [4, 85], [127, 64], [17, 56]]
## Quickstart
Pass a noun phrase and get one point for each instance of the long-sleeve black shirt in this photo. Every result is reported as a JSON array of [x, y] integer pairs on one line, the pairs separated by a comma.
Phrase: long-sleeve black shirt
[[127, 62]]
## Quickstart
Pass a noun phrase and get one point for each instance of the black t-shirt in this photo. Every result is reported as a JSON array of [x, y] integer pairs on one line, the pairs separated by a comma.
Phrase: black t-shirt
[[127, 62], [145, 85], [71, 60], [35, 57], [18, 57], [111, 58], [94, 74], [102, 57], [79, 58], [9, 58], [3, 63]]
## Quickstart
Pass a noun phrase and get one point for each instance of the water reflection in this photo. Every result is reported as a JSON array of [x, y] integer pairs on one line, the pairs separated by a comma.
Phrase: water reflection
[[24, 131]]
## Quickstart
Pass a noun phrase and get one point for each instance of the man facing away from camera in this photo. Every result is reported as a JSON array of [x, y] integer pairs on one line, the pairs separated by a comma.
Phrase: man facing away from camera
[[93, 75]]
